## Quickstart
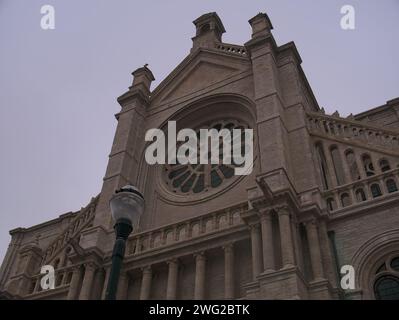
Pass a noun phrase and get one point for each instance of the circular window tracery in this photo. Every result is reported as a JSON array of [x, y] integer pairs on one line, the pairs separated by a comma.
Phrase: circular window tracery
[[198, 178], [386, 282]]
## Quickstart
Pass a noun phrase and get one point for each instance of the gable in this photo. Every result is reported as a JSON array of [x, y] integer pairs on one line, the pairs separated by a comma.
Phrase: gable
[[197, 72]]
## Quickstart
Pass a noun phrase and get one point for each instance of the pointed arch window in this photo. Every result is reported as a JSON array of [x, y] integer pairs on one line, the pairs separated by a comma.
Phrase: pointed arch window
[[345, 200], [360, 195], [351, 161], [57, 263], [323, 166], [331, 204], [339, 170], [391, 185], [368, 165], [375, 190], [384, 165], [59, 279]]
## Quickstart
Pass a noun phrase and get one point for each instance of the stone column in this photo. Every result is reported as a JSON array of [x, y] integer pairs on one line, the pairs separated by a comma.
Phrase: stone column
[[256, 246], [200, 263], [123, 286], [37, 285], [146, 283], [287, 247], [352, 195], [267, 241], [383, 186], [327, 254], [87, 283], [330, 166], [104, 292], [98, 284], [64, 277], [63, 260], [75, 283], [345, 165], [297, 242], [171, 289], [337, 200], [360, 166], [229, 271], [314, 248], [376, 164]]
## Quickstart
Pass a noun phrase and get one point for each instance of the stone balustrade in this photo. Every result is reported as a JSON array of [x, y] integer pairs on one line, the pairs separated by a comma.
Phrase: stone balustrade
[[164, 236], [367, 189], [63, 277], [231, 48], [350, 130], [185, 230]]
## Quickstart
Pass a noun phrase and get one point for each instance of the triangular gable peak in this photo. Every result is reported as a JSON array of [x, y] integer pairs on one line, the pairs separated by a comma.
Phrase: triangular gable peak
[[201, 69]]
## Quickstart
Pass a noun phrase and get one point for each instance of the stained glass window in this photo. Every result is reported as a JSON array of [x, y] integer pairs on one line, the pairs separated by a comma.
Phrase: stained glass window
[[391, 186], [395, 264], [375, 190], [386, 283], [196, 178], [387, 288]]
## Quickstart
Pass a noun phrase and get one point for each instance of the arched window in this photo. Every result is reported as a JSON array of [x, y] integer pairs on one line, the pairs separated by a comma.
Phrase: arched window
[[331, 204], [384, 165], [59, 278], [345, 200], [387, 288], [360, 195], [304, 243], [56, 263], [32, 286], [351, 160], [368, 165], [386, 283], [391, 185], [198, 178], [395, 264], [375, 190], [325, 126], [323, 166], [331, 128], [69, 278], [339, 170]]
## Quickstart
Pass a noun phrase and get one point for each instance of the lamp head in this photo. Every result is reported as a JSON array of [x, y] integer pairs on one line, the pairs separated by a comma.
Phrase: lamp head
[[128, 204]]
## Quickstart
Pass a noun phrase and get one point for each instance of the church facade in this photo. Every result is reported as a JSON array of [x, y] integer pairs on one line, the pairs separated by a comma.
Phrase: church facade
[[323, 193]]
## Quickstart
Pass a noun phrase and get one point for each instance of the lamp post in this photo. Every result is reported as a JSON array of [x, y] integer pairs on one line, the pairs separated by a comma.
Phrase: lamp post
[[127, 205]]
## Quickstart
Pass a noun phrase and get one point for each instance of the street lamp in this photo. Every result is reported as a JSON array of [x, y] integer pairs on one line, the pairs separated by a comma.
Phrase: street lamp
[[127, 205]]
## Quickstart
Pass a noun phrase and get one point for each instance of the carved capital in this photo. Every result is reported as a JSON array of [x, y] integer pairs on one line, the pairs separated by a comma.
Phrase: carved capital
[[76, 268], [259, 204], [254, 227], [173, 261], [146, 269], [282, 210], [265, 213], [90, 266], [200, 256], [228, 247]]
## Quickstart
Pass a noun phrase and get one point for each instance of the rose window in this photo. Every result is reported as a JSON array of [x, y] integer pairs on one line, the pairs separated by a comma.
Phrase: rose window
[[196, 178]]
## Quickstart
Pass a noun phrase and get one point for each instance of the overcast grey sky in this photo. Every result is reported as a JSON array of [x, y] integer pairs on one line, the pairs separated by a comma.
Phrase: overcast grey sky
[[58, 88]]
